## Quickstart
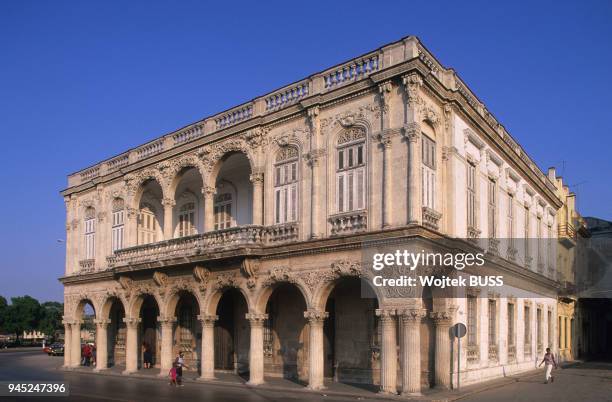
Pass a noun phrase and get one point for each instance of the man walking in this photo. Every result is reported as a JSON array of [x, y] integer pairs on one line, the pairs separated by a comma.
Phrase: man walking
[[549, 359]]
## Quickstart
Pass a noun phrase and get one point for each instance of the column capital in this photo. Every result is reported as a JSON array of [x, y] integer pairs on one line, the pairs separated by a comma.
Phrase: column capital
[[257, 178], [71, 322], [102, 322], [168, 202], [443, 318], [208, 191], [412, 131], [412, 315], [386, 315], [385, 138], [315, 316], [131, 322], [412, 83], [166, 320], [256, 319], [208, 320]]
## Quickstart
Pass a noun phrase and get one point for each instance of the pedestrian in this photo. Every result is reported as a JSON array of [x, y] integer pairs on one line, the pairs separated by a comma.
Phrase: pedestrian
[[172, 374], [88, 355], [180, 363], [94, 355], [147, 355], [549, 359]]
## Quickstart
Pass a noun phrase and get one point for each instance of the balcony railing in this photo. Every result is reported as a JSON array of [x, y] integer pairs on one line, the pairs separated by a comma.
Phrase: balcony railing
[[492, 352], [473, 354], [87, 265], [348, 222], [218, 240], [431, 218]]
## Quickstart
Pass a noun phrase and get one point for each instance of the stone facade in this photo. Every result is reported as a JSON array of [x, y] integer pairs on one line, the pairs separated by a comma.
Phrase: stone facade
[[239, 239]]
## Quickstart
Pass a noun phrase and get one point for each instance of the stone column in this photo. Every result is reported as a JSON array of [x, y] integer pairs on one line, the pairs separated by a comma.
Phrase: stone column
[[312, 159], [168, 204], [257, 178], [131, 227], [208, 346], [67, 342], [167, 335], [385, 142], [131, 345], [75, 346], [256, 356], [388, 371], [315, 348], [101, 344], [209, 212], [413, 134], [442, 321], [412, 86], [411, 351]]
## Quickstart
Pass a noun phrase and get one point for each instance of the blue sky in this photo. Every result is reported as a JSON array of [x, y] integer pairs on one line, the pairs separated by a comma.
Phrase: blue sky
[[82, 81]]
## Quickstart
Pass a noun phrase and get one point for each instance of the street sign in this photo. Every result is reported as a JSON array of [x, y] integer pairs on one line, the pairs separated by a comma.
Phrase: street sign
[[459, 330]]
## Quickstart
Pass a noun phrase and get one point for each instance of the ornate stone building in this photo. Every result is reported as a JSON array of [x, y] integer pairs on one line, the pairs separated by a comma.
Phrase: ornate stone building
[[239, 239]]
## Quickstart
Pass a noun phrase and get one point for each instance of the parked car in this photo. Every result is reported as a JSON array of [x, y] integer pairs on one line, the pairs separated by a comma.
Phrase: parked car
[[47, 349], [57, 349]]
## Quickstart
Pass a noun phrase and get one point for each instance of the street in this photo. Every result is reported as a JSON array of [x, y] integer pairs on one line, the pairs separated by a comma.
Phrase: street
[[581, 382]]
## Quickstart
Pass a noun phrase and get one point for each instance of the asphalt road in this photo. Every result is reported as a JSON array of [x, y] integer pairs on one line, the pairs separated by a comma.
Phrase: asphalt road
[[36, 366], [584, 382]]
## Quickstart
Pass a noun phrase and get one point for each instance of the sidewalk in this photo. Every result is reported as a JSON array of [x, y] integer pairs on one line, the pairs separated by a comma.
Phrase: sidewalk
[[359, 391]]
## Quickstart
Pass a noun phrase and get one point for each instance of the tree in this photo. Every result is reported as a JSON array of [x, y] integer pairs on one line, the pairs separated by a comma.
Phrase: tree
[[50, 318], [23, 314], [3, 307]]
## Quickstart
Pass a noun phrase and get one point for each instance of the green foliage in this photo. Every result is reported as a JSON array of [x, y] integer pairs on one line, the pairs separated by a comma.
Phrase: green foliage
[[27, 314]]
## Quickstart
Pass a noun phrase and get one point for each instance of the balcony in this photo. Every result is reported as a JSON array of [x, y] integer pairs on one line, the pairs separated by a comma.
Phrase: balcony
[[87, 265], [493, 246], [431, 218], [473, 354], [348, 222], [214, 241], [493, 352], [567, 235]]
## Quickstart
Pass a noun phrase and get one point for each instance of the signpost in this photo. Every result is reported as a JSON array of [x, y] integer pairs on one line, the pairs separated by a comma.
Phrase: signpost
[[459, 331]]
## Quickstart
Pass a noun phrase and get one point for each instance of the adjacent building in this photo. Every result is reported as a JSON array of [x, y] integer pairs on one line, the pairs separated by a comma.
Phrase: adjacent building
[[240, 239]]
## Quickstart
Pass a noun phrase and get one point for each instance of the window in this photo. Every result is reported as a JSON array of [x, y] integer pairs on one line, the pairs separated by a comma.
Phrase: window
[[147, 225], [510, 221], [565, 328], [471, 196], [286, 185], [117, 228], [550, 329], [472, 320], [539, 237], [223, 211], [90, 233], [539, 327], [492, 322], [492, 210], [527, 328], [549, 246], [186, 221], [526, 234], [560, 346], [428, 171], [510, 324], [350, 172]]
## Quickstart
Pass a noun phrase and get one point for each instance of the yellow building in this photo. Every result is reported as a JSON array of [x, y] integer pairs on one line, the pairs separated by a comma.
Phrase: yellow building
[[572, 232]]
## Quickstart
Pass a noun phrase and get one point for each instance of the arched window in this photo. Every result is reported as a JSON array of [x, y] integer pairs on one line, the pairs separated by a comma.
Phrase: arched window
[[428, 167], [186, 221], [223, 211], [147, 225], [90, 233], [117, 224], [351, 170], [285, 185]]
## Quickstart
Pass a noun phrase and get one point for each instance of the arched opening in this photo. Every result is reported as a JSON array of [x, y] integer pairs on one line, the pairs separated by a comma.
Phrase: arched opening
[[188, 218], [86, 355], [428, 340], [286, 334], [150, 213], [150, 333], [232, 333], [188, 331], [233, 201], [352, 338], [116, 334]]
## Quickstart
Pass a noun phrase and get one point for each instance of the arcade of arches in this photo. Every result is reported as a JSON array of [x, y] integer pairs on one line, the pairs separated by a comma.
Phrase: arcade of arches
[[311, 326]]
